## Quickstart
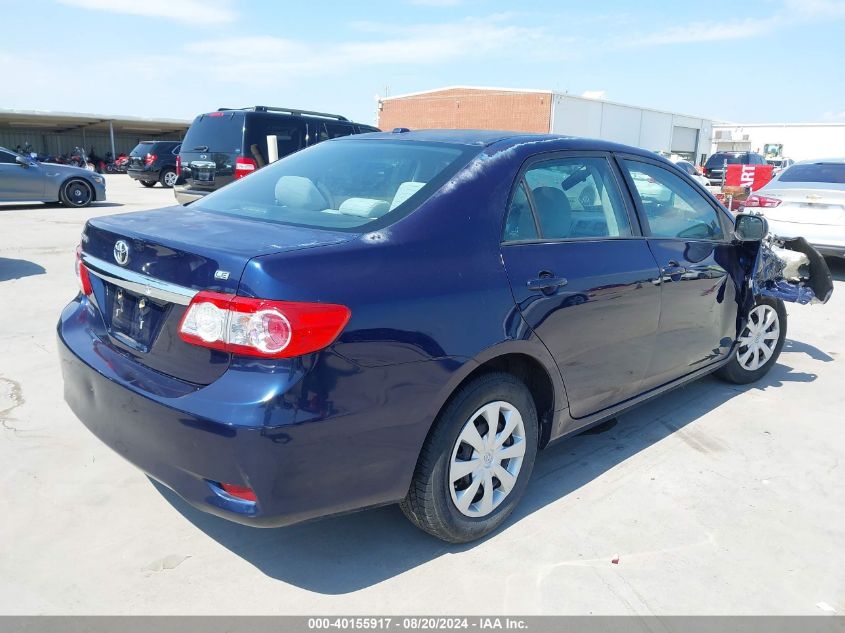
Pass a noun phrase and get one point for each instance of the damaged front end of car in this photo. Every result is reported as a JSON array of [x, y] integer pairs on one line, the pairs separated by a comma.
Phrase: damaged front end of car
[[791, 270], [786, 269]]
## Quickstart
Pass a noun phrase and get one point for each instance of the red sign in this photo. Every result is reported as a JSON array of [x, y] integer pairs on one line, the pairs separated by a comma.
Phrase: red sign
[[754, 176]]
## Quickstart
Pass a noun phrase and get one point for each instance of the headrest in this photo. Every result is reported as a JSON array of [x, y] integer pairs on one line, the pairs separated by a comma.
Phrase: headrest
[[364, 207], [298, 191]]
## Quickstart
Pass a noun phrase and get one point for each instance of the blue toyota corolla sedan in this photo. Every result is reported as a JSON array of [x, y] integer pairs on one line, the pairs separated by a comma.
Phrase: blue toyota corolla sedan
[[408, 317]]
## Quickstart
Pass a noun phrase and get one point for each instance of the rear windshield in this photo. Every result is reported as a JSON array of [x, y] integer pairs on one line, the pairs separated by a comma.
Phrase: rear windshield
[[215, 132], [142, 149], [717, 160], [815, 172], [344, 185]]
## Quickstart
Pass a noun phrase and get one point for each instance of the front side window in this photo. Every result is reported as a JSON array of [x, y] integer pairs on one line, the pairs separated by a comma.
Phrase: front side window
[[342, 185], [672, 207], [6, 157], [572, 198]]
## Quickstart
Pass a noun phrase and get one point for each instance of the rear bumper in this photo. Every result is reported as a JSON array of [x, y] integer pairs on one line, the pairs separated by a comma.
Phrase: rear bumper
[[304, 455], [184, 194], [144, 174], [827, 239]]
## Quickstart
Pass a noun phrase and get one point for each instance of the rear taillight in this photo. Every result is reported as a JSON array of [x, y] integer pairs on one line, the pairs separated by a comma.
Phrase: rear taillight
[[82, 274], [178, 164], [150, 159], [764, 202], [259, 327], [239, 492], [244, 166]]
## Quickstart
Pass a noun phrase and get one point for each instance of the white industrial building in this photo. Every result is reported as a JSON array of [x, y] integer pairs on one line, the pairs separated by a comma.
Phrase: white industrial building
[[656, 130], [800, 141]]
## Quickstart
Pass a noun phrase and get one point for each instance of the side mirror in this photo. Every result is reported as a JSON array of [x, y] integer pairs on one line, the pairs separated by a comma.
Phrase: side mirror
[[750, 228], [23, 160]]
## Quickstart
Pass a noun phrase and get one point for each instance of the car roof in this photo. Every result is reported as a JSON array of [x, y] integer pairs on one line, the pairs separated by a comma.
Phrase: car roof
[[812, 161], [502, 139]]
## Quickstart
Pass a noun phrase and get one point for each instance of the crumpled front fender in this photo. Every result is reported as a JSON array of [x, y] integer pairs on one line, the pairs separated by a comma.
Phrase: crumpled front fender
[[780, 273]]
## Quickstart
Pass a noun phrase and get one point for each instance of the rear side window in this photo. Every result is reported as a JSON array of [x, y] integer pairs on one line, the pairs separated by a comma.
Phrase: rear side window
[[571, 198], [672, 207], [6, 157], [833, 173], [215, 132], [289, 133], [333, 130], [343, 184], [520, 221]]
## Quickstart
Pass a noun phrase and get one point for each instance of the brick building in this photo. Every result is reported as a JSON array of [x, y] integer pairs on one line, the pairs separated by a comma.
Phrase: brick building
[[545, 111]]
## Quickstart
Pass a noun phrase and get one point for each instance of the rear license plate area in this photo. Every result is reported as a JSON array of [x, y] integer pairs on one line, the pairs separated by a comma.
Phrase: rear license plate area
[[133, 319], [203, 175]]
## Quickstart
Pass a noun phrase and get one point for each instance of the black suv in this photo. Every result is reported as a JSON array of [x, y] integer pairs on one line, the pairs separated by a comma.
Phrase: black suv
[[714, 168], [154, 161], [228, 144]]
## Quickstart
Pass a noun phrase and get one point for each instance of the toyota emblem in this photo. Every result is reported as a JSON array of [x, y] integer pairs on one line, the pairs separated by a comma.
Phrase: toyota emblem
[[121, 252]]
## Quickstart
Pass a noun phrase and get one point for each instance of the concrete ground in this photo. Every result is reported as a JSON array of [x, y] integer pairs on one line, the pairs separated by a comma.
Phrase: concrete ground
[[715, 498]]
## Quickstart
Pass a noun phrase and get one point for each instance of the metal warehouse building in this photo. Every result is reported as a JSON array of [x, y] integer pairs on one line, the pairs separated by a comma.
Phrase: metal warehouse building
[[544, 111], [56, 133]]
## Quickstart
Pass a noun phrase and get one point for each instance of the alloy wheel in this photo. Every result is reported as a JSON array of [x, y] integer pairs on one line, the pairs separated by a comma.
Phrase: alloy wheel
[[170, 178], [78, 193], [486, 459], [759, 338]]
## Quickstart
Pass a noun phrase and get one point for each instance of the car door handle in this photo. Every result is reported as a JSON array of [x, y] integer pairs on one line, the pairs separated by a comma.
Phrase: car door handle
[[547, 283], [673, 268]]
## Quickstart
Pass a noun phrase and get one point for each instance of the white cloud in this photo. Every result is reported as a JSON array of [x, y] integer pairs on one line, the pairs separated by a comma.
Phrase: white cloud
[[790, 13], [249, 59], [191, 11], [707, 31], [594, 94], [834, 117]]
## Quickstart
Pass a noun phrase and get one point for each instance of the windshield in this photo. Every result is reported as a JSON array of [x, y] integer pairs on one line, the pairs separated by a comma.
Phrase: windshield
[[343, 184], [215, 132], [815, 172], [142, 149]]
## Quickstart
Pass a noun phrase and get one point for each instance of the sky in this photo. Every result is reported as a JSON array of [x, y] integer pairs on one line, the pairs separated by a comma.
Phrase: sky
[[751, 61]]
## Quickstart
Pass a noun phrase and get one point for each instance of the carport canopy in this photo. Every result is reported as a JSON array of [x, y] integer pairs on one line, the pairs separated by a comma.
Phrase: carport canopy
[[20, 123]]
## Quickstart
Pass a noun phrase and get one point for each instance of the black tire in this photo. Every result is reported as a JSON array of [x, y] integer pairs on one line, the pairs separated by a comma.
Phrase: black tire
[[734, 372], [168, 175], [77, 193], [429, 504], [148, 183]]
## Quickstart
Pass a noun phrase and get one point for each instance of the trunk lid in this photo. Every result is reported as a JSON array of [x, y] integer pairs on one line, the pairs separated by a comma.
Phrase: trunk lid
[[805, 205], [171, 254]]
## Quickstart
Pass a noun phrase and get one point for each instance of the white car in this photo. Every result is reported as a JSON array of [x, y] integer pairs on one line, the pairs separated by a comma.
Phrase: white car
[[779, 164], [806, 200]]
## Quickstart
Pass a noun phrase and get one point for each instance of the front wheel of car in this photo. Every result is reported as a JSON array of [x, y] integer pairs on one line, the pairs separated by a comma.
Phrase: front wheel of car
[[148, 183], [168, 178], [759, 344], [76, 193], [476, 461]]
